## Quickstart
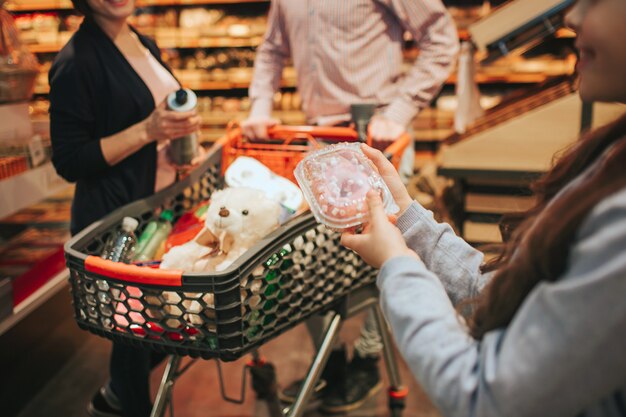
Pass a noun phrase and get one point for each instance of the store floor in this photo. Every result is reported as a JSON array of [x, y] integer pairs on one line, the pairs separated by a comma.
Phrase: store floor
[[197, 392]]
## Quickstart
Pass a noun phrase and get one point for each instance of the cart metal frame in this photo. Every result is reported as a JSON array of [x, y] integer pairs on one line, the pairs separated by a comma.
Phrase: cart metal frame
[[362, 299]]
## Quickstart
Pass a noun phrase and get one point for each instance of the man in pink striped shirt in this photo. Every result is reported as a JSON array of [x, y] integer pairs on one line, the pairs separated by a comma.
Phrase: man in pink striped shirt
[[349, 52]]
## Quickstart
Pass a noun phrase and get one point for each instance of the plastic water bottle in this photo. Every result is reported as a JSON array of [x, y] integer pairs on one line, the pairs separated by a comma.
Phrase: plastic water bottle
[[121, 246], [184, 149], [159, 233]]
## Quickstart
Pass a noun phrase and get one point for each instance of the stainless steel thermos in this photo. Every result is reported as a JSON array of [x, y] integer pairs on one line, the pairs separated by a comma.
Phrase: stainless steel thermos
[[184, 149]]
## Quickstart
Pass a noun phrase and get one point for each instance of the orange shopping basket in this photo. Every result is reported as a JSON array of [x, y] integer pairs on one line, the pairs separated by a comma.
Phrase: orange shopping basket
[[287, 145]]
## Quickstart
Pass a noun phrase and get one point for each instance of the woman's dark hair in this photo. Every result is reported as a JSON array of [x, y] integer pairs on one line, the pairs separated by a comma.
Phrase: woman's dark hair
[[82, 7], [540, 239]]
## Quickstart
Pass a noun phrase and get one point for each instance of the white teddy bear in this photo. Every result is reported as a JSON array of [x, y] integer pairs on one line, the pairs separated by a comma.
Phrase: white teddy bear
[[237, 218]]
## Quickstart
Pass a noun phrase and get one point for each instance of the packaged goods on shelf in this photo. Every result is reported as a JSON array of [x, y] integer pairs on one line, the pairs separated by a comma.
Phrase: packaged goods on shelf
[[44, 212], [18, 67], [11, 165], [18, 155], [199, 17], [42, 236]]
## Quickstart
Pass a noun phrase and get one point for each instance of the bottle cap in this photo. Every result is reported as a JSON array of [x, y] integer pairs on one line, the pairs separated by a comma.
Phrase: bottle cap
[[167, 215], [182, 100], [129, 224], [181, 97]]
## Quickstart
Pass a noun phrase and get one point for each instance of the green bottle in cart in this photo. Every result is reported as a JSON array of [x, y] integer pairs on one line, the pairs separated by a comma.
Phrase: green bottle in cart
[[154, 236]]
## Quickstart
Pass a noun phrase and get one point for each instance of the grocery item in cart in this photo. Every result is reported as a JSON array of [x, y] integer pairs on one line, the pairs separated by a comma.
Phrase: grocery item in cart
[[237, 218], [250, 172], [335, 181], [154, 236], [187, 227], [121, 245]]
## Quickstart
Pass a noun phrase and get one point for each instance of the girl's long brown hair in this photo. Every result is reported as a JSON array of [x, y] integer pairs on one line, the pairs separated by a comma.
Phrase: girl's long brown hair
[[540, 239]]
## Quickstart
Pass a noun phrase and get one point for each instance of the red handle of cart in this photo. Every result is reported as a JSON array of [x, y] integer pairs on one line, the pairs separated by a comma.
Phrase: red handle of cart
[[393, 152], [133, 273], [276, 154]]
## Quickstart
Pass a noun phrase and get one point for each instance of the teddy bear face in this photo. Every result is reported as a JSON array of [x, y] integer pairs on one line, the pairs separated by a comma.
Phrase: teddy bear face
[[242, 213]]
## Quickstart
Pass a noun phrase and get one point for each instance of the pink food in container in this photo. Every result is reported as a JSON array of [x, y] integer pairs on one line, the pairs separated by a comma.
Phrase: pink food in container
[[335, 181]]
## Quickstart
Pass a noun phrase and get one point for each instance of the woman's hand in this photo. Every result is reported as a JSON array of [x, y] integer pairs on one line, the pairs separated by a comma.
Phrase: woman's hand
[[183, 171], [164, 124], [389, 174], [381, 240]]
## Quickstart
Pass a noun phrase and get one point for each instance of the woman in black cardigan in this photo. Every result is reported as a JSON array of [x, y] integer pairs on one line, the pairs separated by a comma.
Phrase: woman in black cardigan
[[105, 128]]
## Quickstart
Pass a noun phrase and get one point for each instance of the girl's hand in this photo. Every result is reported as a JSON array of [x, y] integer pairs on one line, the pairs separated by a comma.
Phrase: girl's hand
[[164, 124], [390, 176], [381, 240]]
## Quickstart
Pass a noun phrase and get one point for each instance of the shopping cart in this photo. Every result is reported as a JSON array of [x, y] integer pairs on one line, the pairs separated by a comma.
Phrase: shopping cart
[[297, 271]]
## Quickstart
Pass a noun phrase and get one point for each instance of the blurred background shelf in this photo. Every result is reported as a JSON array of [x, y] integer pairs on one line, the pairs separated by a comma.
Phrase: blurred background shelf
[[29, 187], [37, 5]]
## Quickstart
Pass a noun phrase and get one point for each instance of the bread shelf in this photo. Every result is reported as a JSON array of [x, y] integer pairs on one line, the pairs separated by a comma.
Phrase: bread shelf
[[222, 42], [35, 5], [484, 79], [29, 187]]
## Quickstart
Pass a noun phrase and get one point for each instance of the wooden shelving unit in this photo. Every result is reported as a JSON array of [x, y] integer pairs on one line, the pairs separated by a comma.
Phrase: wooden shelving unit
[[36, 5], [221, 42]]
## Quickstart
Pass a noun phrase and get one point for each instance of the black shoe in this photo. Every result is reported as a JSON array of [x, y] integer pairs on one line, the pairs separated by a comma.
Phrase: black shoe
[[334, 371], [361, 383], [100, 406]]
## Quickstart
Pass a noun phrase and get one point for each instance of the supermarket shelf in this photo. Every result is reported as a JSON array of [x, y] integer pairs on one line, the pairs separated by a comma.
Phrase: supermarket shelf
[[221, 42], [43, 89], [144, 3], [29, 187], [179, 39], [35, 5], [39, 297], [519, 78], [210, 43], [215, 118], [227, 85]]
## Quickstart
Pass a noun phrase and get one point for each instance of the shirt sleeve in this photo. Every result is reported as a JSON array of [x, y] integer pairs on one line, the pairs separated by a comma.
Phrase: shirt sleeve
[[76, 152], [269, 63], [562, 353], [449, 257], [436, 36]]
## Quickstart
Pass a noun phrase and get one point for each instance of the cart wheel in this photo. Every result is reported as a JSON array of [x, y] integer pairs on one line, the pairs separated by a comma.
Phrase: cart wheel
[[397, 396]]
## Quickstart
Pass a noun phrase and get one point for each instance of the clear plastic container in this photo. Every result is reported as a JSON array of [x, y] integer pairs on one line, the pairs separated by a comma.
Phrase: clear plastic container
[[335, 181]]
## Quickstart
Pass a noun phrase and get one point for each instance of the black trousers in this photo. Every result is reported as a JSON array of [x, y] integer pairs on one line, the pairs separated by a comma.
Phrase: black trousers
[[130, 378]]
